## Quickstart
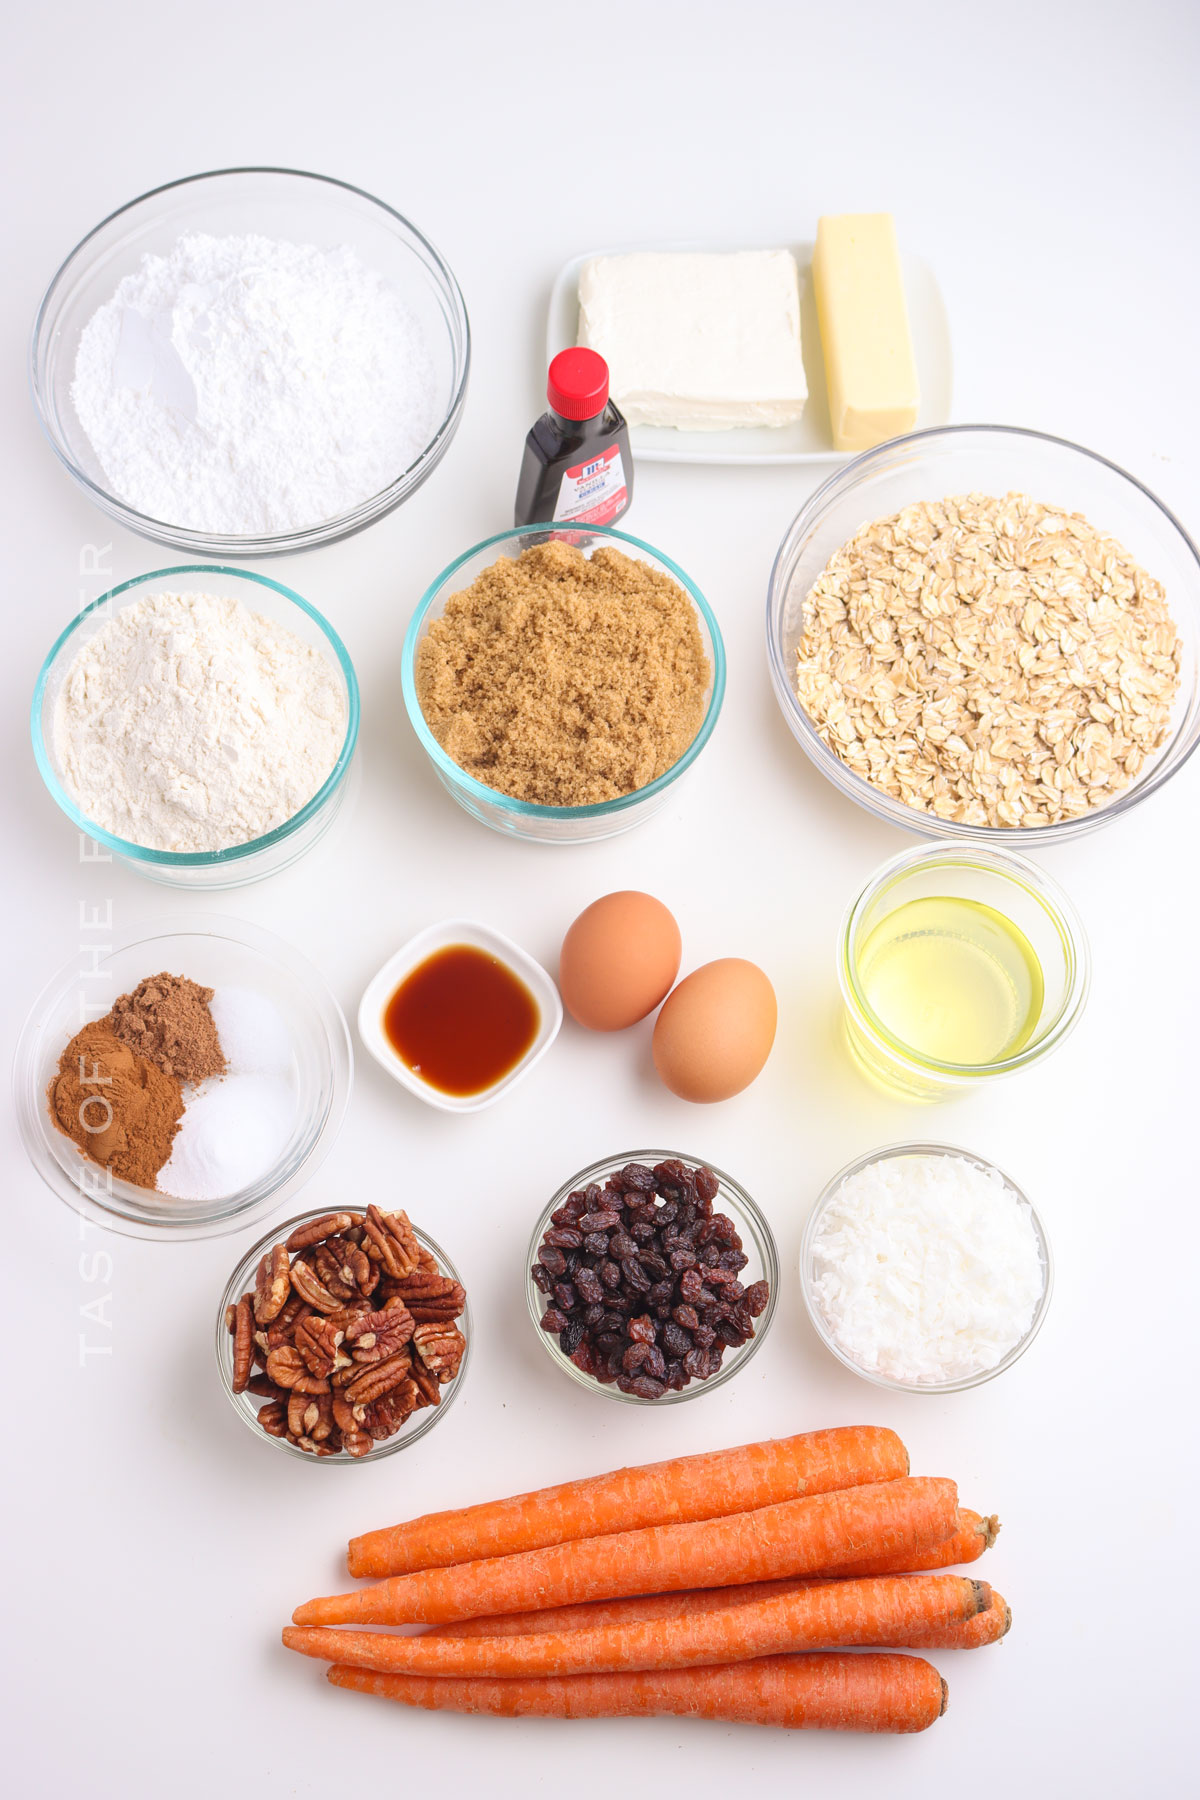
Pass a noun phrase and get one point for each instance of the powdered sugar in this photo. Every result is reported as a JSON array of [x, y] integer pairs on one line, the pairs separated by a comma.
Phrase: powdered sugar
[[246, 386], [190, 723]]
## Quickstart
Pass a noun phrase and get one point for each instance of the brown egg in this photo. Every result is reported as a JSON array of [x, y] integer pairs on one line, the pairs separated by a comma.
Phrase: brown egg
[[618, 960], [716, 1030]]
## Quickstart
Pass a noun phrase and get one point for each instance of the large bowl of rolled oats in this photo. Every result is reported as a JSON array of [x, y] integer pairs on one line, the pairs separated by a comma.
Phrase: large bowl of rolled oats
[[980, 631]]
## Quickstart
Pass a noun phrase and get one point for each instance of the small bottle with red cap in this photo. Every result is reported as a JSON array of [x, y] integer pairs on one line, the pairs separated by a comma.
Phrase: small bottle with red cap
[[577, 468]]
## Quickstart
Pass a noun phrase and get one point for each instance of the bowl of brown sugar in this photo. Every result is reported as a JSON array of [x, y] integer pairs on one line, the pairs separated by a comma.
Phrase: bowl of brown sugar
[[560, 681]]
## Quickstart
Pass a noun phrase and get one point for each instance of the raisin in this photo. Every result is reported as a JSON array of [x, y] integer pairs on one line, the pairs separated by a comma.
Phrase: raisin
[[552, 1319], [687, 1316], [682, 1258], [543, 1281], [565, 1295], [655, 1362], [610, 1274], [596, 1243], [635, 1276], [635, 1177], [554, 1260], [634, 1357], [642, 1330], [620, 1245], [571, 1336], [592, 1316], [733, 1259], [675, 1341], [690, 1286], [675, 1378], [642, 1232], [695, 1364], [644, 1386], [704, 1336], [728, 1333], [589, 1286], [564, 1237], [599, 1221], [757, 1295], [662, 1294]]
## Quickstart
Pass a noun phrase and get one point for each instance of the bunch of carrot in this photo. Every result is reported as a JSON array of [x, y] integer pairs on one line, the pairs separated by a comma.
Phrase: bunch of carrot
[[726, 1586]]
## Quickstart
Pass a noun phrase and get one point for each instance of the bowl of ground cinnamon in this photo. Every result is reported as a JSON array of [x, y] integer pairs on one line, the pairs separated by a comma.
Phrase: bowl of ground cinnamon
[[561, 681], [181, 1080]]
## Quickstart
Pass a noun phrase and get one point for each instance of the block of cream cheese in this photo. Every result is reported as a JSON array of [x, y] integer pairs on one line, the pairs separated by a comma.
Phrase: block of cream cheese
[[869, 367], [699, 341]]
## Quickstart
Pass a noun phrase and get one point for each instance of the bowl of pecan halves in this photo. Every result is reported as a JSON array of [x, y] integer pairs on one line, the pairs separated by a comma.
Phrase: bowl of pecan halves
[[343, 1336]]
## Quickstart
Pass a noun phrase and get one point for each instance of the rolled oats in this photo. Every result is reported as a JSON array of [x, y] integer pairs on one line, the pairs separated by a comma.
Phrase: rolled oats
[[991, 661]]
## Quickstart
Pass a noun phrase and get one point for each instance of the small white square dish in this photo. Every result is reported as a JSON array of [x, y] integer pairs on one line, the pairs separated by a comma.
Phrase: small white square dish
[[809, 439], [450, 933]]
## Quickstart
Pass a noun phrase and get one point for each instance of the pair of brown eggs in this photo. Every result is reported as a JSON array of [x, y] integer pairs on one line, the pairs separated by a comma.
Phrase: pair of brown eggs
[[619, 961]]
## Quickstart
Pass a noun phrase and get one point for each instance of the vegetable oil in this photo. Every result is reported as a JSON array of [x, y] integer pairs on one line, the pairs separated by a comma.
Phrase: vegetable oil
[[952, 980]]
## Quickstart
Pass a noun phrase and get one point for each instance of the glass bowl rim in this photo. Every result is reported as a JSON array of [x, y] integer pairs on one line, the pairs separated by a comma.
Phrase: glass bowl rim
[[608, 1165], [856, 787], [528, 809], [923, 1148], [196, 859], [248, 936], [1055, 902], [260, 543], [399, 1440]]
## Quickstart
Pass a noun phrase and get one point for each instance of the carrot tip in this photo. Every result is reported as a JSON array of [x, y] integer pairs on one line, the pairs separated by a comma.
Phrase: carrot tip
[[945, 1698], [991, 1529], [983, 1596]]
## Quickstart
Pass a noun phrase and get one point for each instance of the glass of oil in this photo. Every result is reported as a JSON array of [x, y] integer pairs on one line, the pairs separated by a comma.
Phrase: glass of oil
[[957, 966]]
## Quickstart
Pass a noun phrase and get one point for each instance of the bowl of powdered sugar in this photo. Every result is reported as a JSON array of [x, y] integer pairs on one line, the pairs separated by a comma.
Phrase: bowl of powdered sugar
[[251, 362], [925, 1268], [200, 723]]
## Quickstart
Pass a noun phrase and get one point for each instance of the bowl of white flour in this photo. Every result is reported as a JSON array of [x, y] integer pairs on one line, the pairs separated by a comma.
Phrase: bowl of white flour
[[200, 723], [251, 362]]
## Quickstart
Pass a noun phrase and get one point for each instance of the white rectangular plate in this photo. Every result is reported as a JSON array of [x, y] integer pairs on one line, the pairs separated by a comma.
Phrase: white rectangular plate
[[809, 440]]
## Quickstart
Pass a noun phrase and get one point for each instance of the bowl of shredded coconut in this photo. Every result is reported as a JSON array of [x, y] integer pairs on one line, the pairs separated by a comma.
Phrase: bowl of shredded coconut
[[200, 723], [925, 1268], [251, 362]]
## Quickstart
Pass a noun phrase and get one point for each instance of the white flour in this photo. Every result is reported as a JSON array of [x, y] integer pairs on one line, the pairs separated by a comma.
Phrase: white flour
[[247, 387], [190, 723]]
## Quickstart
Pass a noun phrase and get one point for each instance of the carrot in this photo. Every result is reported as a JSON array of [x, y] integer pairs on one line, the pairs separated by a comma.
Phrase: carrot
[[888, 1610], [976, 1533], [797, 1537], [666, 1493], [987, 1627], [803, 1693]]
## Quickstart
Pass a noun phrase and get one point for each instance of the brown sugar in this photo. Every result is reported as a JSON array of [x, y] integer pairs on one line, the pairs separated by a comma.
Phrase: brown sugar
[[117, 1106], [166, 1019], [562, 679]]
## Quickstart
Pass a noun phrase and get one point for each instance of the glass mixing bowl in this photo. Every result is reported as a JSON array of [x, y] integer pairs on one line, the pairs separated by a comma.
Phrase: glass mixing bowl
[[285, 204], [520, 818], [992, 459], [242, 863], [1011, 886], [758, 1243], [246, 1405], [217, 952], [808, 1273]]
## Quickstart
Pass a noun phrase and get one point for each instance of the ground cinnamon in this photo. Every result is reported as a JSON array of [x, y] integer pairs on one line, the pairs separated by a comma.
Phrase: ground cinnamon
[[166, 1019], [117, 1106]]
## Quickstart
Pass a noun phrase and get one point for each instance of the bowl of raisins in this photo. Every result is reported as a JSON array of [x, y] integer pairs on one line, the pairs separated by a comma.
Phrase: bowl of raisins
[[652, 1277]]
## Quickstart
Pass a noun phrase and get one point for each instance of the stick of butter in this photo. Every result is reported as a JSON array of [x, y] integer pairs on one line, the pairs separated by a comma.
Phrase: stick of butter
[[697, 340], [869, 366]]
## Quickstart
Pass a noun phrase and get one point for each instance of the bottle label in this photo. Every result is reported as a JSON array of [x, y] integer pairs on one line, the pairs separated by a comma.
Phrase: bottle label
[[594, 492]]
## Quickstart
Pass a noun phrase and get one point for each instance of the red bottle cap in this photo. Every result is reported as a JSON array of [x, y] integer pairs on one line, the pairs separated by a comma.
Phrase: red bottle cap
[[577, 386]]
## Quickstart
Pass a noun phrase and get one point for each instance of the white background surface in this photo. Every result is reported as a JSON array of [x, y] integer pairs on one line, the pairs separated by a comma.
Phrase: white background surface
[[1044, 157]]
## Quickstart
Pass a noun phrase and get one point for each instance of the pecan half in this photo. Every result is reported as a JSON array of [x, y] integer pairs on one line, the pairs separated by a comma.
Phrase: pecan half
[[426, 1383], [285, 1367], [378, 1378], [389, 1239], [345, 1269], [378, 1335], [440, 1348], [384, 1417], [319, 1230], [265, 1388], [243, 1344], [307, 1284], [273, 1418], [271, 1285], [309, 1416], [319, 1343]]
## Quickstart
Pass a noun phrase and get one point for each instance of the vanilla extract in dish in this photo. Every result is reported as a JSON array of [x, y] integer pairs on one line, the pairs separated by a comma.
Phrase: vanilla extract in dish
[[461, 1020]]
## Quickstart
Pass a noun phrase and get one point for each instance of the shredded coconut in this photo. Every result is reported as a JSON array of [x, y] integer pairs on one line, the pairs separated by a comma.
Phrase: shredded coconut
[[926, 1268], [248, 387], [189, 723]]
